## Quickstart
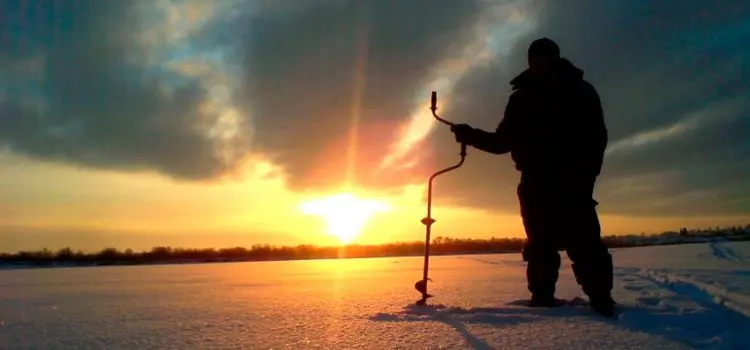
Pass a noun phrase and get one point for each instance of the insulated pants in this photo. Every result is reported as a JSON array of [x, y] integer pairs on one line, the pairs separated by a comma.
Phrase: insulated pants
[[560, 216]]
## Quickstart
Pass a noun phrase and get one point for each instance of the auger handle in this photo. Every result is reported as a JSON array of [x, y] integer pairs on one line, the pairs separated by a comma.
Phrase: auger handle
[[433, 107]]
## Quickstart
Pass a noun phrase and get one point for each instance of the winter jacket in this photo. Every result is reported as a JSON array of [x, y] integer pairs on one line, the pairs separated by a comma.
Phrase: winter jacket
[[553, 128]]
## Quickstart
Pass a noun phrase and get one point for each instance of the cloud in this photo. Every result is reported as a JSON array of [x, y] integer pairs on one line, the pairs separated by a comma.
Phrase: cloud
[[109, 93], [333, 84], [336, 91], [192, 88]]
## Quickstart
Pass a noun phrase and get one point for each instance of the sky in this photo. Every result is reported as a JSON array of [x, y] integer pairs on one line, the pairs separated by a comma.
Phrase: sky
[[219, 123]]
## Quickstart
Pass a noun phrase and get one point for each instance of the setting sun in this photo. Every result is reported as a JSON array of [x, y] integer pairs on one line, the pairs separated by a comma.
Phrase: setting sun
[[345, 215]]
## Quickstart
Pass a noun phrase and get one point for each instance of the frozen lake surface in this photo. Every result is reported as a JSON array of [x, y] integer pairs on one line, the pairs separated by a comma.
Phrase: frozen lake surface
[[687, 296]]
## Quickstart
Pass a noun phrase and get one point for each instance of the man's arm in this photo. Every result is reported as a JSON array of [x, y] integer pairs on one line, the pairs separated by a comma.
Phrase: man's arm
[[497, 142], [597, 129]]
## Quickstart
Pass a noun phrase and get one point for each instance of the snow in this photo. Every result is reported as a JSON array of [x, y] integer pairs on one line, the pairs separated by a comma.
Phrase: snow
[[676, 297]]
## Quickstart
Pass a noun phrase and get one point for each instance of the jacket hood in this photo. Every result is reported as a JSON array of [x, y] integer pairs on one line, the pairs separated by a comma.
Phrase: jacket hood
[[563, 69]]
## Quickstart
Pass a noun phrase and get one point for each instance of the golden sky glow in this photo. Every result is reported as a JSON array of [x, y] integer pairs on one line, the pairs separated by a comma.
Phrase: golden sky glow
[[140, 210], [54, 196]]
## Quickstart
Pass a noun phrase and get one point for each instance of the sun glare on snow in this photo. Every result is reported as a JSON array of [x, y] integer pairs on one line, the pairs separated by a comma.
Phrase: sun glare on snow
[[345, 214]]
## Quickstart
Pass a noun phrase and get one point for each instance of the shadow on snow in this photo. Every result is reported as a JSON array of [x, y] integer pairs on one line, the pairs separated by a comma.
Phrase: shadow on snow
[[458, 317], [711, 327]]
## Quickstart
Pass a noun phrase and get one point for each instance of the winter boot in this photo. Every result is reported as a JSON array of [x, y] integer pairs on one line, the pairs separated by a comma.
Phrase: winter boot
[[544, 301], [603, 304]]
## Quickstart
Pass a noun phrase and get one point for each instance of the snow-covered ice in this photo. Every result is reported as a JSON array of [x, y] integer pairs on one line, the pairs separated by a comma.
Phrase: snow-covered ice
[[686, 296]]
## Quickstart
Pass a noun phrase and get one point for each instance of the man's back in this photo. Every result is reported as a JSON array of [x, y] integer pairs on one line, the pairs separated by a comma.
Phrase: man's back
[[555, 126]]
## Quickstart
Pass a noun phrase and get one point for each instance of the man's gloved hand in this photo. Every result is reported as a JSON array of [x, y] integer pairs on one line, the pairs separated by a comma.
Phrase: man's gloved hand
[[463, 133]]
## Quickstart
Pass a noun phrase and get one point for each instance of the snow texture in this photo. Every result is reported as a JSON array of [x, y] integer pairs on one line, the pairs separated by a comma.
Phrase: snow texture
[[675, 297]]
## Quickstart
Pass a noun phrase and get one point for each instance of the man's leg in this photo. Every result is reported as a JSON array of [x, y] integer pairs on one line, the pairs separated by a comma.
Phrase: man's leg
[[542, 273], [540, 252], [591, 261]]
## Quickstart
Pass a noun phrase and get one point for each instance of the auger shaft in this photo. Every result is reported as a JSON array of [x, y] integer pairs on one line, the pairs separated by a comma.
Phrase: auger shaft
[[421, 285]]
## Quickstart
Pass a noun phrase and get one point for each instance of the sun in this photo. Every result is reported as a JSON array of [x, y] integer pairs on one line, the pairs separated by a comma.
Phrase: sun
[[344, 213]]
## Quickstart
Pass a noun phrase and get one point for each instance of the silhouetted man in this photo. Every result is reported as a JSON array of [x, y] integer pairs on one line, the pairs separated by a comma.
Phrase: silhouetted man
[[554, 130]]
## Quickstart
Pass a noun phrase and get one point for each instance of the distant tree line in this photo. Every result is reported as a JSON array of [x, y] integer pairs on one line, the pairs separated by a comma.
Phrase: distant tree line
[[439, 246], [265, 252]]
